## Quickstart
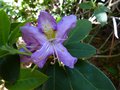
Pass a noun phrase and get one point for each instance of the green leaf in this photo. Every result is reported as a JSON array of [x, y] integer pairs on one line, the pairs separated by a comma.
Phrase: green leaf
[[3, 53], [58, 79], [10, 68], [4, 27], [28, 80], [100, 9], [81, 50], [101, 15], [102, 18], [15, 32], [81, 30], [84, 76], [86, 5], [14, 25]]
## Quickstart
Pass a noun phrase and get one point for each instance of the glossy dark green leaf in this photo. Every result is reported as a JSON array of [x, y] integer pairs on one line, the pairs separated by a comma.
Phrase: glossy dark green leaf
[[100, 9], [86, 5], [58, 79], [10, 68], [4, 27], [95, 78], [29, 80], [84, 76], [81, 50], [81, 30]]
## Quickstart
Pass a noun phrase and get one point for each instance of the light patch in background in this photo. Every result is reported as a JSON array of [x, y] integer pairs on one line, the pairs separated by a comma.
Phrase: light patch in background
[[103, 0], [12, 2], [8, 1], [115, 27]]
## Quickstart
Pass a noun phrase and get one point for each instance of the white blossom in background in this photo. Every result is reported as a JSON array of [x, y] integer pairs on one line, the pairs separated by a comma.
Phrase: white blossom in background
[[12, 2]]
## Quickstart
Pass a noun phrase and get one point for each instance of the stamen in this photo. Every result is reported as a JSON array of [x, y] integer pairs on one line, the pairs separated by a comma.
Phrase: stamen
[[60, 63], [54, 59], [53, 62], [52, 39], [55, 51]]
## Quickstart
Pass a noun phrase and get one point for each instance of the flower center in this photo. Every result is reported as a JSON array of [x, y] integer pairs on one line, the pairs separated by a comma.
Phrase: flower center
[[50, 34], [48, 30]]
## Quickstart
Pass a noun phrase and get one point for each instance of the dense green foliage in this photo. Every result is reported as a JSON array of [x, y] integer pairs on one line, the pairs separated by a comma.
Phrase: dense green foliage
[[85, 76]]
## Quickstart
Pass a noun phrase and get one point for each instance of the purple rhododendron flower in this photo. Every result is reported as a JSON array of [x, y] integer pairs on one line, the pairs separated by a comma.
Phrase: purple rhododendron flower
[[47, 39]]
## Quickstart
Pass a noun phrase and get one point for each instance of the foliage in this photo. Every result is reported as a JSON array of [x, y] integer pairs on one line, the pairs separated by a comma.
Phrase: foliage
[[54, 77], [83, 77]]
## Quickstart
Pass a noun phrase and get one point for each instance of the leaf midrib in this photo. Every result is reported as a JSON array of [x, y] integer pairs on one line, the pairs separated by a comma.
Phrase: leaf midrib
[[85, 78]]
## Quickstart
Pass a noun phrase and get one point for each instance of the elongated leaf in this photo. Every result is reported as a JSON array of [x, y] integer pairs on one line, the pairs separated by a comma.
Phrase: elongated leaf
[[84, 76], [4, 27], [81, 30], [15, 33], [29, 80], [58, 79], [3, 53], [81, 50], [14, 25], [10, 68]]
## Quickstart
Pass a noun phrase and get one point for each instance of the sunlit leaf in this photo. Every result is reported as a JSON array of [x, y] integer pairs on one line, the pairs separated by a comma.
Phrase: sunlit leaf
[[4, 27]]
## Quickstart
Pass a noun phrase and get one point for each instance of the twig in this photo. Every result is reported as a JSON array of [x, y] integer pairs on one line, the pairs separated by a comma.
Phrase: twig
[[105, 41], [106, 56], [114, 3], [78, 7], [112, 45], [100, 52], [94, 34], [110, 1]]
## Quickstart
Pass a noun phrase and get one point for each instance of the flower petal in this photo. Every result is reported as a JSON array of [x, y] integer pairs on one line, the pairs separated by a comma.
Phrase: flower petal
[[64, 26], [46, 22], [41, 55], [32, 35], [24, 58], [64, 56]]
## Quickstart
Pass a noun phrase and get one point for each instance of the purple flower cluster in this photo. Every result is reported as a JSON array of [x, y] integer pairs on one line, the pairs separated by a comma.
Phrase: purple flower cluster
[[47, 39]]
